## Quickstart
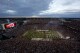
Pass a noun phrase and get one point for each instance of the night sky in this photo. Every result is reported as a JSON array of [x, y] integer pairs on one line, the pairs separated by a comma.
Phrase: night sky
[[37, 8]]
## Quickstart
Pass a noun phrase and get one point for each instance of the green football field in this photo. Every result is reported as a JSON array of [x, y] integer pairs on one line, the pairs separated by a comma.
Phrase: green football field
[[40, 34]]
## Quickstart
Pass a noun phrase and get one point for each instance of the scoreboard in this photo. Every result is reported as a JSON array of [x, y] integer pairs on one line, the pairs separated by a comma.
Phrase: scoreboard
[[7, 26], [10, 25]]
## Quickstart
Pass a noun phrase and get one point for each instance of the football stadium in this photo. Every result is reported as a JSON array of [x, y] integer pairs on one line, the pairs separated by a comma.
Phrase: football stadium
[[39, 26], [52, 35]]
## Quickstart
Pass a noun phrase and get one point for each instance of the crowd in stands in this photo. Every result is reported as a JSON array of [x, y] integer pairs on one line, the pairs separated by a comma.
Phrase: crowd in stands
[[24, 46], [73, 28]]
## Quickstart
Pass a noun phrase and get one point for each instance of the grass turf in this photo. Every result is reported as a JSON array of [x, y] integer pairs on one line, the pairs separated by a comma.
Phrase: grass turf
[[40, 34]]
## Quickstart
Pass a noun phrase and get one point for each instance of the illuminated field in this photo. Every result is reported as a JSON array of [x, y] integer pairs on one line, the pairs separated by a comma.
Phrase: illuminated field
[[45, 34]]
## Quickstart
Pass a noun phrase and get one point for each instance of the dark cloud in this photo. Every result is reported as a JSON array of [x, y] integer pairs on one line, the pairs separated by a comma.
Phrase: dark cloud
[[30, 8], [23, 7]]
